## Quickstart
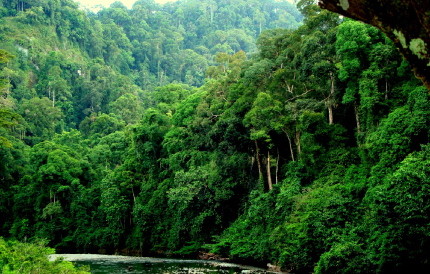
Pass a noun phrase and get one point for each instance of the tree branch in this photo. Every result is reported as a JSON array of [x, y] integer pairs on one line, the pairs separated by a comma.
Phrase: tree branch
[[405, 22]]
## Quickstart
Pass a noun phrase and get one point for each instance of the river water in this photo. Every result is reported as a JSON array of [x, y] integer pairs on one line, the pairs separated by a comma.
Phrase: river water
[[122, 264]]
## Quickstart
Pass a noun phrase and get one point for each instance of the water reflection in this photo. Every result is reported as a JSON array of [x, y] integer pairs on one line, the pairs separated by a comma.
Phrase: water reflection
[[112, 266]]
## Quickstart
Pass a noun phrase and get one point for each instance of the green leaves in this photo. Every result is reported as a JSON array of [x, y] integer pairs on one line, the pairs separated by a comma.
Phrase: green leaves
[[188, 186], [8, 119], [113, 207], [16, 257], [41, 118], [167, 156], [402, 132], [345, 257], [265, 115], [398, 215]]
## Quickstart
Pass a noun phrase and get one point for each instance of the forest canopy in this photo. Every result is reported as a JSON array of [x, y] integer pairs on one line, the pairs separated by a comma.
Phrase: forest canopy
[[256, 130]]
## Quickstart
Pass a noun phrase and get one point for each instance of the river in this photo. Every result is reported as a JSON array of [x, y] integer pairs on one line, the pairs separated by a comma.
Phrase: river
[[123, 264]]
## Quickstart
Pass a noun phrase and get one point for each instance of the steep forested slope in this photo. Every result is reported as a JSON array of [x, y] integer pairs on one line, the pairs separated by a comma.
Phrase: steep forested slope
[[165, 128]]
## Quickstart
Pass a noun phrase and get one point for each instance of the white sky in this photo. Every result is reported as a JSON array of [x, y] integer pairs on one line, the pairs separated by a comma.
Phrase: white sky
[[106, 3], [127, 3]]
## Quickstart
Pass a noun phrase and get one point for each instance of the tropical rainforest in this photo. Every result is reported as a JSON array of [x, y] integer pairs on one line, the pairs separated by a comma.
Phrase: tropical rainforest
[[254, 129]]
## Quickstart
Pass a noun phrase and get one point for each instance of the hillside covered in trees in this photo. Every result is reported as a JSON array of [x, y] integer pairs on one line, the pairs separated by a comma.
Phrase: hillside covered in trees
[[253, 129]]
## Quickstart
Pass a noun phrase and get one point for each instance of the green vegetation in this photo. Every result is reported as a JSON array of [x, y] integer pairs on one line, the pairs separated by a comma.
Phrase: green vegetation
[[174, 128], [32, 258]]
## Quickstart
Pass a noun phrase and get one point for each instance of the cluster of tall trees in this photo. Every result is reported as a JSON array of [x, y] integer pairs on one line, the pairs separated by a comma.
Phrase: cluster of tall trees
[[154, 129]]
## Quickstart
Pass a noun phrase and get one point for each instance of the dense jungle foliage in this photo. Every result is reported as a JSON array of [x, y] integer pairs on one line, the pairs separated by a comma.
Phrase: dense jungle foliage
[[227, 126], [32, 258]]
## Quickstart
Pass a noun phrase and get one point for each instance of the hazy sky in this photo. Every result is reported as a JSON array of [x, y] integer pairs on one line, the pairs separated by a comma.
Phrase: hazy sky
[[106, 3], [128, 3]]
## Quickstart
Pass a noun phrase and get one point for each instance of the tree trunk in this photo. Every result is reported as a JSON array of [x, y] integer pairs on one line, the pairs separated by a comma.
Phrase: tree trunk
[[269, 175], [291, 147], [330, 115], [132, 190], [258, 159], [331, 100], [277, 165], [252, 163], [386, 89], [158, 69], [290, 88], [161, 77], [53, 98], [357, 118], [299, 148]]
